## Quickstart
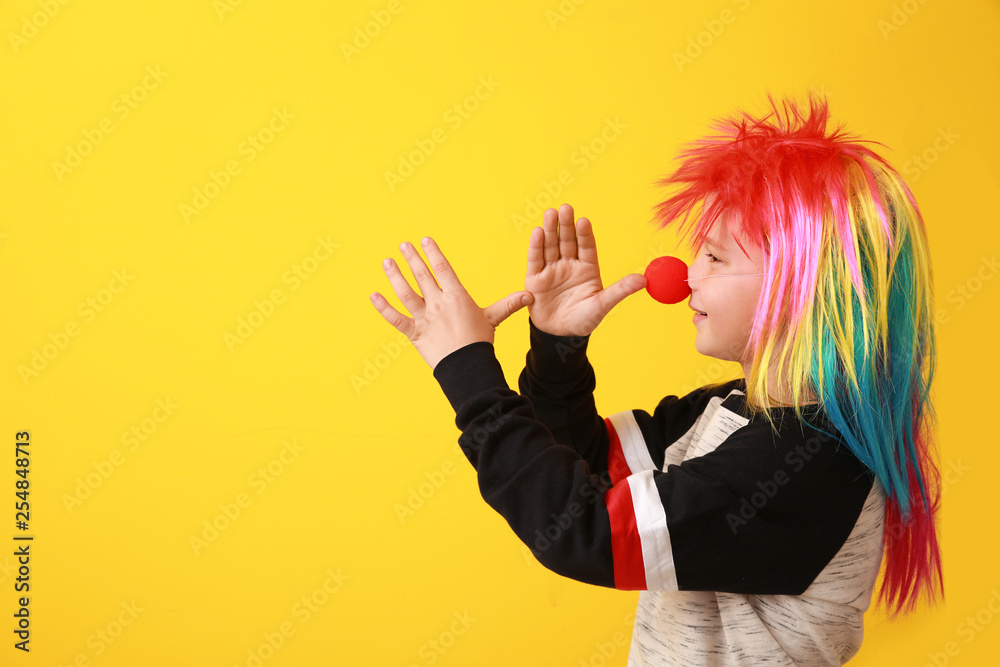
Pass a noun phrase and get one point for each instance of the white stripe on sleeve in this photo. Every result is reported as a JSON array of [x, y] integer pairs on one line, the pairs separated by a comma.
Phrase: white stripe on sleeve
[[633, 444], [651, 521]]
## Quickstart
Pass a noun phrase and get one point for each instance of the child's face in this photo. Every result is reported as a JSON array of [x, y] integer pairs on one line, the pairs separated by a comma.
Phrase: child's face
[[729, 302]]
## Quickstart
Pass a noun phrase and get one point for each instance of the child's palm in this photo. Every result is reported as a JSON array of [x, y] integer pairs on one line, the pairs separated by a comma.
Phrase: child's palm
[[565, 279]]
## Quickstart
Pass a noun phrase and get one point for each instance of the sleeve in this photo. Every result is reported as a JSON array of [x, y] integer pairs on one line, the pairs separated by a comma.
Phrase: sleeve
[[559, 381], [755, 515]]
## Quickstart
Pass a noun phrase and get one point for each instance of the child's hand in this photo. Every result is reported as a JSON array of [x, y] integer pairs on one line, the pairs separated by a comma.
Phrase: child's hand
[[445, 318], [564, 277]]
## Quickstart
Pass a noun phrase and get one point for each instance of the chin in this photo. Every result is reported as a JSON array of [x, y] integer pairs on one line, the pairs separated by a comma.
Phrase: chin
[[699, 346], [707, 350], [710, 350]]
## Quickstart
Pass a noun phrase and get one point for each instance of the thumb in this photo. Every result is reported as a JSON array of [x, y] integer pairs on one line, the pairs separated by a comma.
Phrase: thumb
[[616, 292], [507, 306]]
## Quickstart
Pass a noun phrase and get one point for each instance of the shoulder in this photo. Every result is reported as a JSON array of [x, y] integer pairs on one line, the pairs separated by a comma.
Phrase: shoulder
[[748, 445], [781, 501], [699, 400], [674, 422]]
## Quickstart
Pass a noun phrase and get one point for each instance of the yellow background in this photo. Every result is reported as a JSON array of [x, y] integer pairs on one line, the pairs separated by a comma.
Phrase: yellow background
[[325, 373]]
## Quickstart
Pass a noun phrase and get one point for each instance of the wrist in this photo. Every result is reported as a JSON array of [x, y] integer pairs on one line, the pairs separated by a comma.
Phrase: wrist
[[545, 331], [468, 371], [554, 357]]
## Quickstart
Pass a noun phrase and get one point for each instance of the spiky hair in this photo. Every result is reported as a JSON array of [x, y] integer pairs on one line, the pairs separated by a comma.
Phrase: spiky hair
[[846, 309]]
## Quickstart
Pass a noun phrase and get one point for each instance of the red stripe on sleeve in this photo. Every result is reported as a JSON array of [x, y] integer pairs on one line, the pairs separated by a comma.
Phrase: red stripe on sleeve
[[617, 465], [626, 548]]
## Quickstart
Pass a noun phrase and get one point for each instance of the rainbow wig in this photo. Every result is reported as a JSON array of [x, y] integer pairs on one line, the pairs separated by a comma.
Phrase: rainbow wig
[[845, 311]]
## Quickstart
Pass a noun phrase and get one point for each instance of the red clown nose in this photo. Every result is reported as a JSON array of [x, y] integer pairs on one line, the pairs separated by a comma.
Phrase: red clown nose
[[666, 279]]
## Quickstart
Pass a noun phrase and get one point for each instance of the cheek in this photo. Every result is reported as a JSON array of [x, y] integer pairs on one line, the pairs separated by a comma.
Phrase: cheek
[[733, 313], [746, 312]]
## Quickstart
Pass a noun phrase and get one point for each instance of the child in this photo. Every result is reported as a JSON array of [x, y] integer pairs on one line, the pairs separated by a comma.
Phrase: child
[[751, 514]]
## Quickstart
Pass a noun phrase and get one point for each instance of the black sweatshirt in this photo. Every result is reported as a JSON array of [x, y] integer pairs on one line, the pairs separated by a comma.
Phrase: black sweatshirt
[[723, 523]]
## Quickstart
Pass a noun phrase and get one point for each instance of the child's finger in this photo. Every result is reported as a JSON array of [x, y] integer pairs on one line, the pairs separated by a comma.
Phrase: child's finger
[[550, 225], [536, 251], [507, 306], [614, 294], [413, 301], [586, 242], [567, 233], [425, 279], [442, 268], [402, 323]]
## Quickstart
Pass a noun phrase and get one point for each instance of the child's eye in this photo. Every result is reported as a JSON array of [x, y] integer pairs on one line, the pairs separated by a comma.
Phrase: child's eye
[[712, 258]]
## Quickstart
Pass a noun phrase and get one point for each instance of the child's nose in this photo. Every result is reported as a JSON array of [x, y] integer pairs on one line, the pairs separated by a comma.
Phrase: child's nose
[[692, 275]]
